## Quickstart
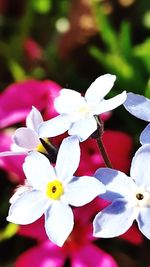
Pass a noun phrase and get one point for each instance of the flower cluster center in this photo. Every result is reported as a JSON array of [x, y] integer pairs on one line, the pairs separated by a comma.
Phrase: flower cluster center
[[142, 197], [84, 109], [54, 190]]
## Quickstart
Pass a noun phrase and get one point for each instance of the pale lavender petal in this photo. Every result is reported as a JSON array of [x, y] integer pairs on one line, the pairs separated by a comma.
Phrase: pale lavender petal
[[26, 138], [145, 135], [138, 105], [13, 153], [55, 126], [99, 89], [143, 221], [68, 101], [83, 190], [59, 222], [118, 184], [83, 128], [29, 207], [114, 220], [38, 170], [68, 158], [34, 119], [110, 104], [91, 255], [140, 166]]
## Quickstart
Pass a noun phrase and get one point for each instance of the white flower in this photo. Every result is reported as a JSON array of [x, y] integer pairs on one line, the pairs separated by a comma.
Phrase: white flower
[[26, 139], [77, 112], [130, 197], [51, 191]]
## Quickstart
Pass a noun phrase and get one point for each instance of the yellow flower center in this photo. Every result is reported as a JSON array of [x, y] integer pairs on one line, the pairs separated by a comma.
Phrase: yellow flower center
[[41, 148], [84, 110], [54, 190]]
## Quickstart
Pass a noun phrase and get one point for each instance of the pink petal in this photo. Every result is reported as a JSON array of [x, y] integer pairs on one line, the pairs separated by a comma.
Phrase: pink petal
[[43, 255], [34, 230], [16, 100], [32, 49], [91, 255], [118, 146], [133, 235]]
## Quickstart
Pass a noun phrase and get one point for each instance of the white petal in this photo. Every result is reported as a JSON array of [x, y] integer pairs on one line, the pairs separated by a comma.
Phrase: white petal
[[20, 190], [68, 101], [26, 138], [145, 135], [34, 119], [59, 222], [83, 190], [144, 221], [16, 148], [110, 104], [29, 207], [117, 183], [83, 128], [140, 166], [114, 220], [138, 105], [55, 126], [99, 88], [68, 158], [38, 170]]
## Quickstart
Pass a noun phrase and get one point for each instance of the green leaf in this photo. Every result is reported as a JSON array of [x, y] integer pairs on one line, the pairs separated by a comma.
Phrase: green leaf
[[10, 230], [107, 33], [16, 70], [125, 39], [114, 62], [142, 51]]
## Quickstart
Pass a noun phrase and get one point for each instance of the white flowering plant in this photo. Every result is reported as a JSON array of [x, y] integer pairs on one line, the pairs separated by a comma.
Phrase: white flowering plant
[[52, 187]]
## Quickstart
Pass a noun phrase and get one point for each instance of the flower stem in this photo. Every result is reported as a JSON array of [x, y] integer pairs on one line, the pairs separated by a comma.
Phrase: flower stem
[[103, 152], [98, 137]]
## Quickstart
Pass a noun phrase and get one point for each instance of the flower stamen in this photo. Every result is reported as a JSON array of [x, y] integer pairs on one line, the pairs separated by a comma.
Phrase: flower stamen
[[54, 190], [41, 148], [139, 196]]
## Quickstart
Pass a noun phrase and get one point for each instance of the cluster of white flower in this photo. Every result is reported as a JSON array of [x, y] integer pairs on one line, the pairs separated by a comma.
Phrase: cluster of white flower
[[52, 190]]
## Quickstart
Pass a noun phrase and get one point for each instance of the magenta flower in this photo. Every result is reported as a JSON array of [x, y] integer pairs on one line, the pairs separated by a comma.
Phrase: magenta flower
[[32, 49], [78, 248], [118, 146], [17, 100]]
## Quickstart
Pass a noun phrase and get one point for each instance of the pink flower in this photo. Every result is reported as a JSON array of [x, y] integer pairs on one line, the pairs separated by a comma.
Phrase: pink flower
[[118, 146], [78, 248], [32, 49], [17, 100], [133, 235]]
